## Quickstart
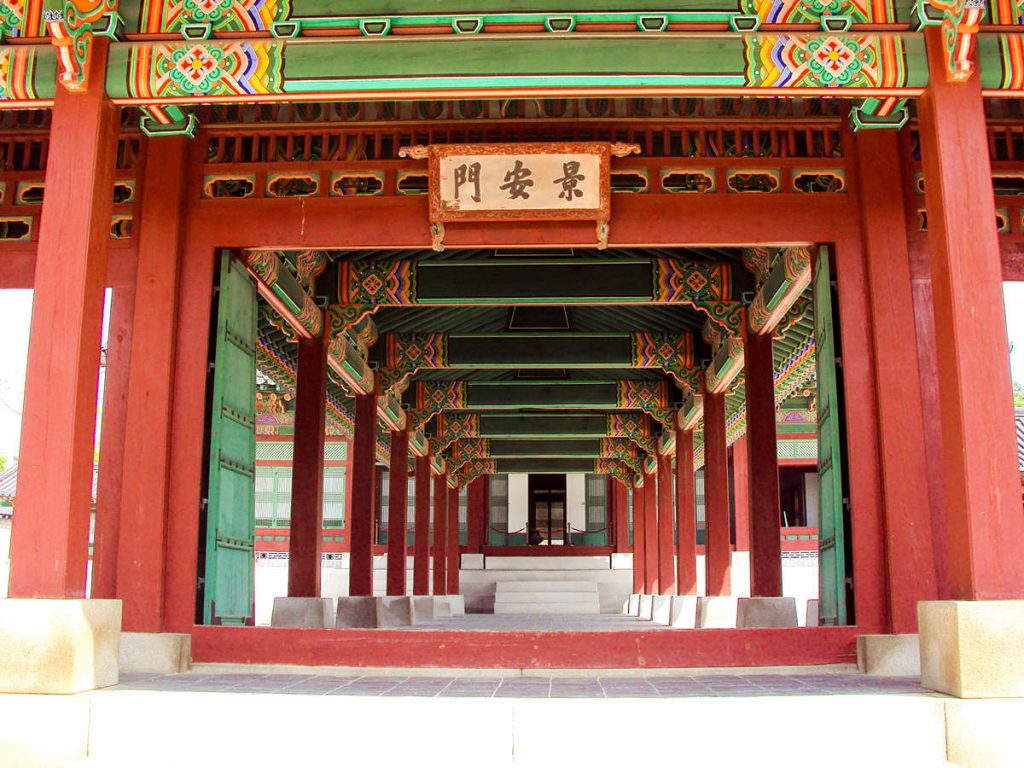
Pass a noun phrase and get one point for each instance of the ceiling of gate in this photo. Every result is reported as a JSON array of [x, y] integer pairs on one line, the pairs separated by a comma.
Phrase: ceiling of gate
[[562, 341]]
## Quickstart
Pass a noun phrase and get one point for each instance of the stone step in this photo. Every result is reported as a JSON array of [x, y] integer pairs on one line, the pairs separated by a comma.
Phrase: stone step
[[503, 587], [562, 608], [547, 597]]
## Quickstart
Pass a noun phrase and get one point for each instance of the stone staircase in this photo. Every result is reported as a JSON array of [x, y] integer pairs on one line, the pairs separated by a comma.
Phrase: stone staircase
[[562, 597]]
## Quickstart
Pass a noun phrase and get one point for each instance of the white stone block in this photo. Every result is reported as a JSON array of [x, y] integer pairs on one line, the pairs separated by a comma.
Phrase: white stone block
[[716, 612], [58, 646], [889, 655], [356, 613], [633, 605], [422, 608], [683, 613], [985, 733], [972, 649], [442, 608], [312, 612], [458, 604], [394, 611], [472, 562], [622, 561], [646, 609], [661, 609], [43, 730], [766, 612], [166, 653], [812, 613]]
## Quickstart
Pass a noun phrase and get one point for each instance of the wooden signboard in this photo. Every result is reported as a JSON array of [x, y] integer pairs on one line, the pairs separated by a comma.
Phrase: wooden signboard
[[524, 182]]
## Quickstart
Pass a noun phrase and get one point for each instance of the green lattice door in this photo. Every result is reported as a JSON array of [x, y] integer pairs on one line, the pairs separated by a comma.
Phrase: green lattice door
[[231, 511], [831, 549]]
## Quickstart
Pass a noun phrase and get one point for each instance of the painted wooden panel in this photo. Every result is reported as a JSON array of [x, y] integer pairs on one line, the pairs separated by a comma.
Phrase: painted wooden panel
[[228, 591], [831, 553]]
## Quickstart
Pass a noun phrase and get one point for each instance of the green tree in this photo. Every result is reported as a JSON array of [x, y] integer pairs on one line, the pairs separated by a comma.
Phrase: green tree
[[3, 459], [1018, 395]]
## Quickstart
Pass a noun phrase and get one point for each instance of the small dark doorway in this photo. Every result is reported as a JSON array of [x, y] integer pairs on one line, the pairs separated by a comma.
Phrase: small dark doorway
[[547, 508]]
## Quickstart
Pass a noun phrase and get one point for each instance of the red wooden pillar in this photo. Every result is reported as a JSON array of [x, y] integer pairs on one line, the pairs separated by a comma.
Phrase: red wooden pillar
[[440, 535], [145, 490], [984, 526], [50, 536], [476, 523], [686, 515], [421, 538], [453, 542], [620, 513], [307, 512], [364, 481], [652, 583], [666, 518], [717, 549], [763, 473], [115, 405], [639, 536], [910, 564], [398, 505], [741, 494]]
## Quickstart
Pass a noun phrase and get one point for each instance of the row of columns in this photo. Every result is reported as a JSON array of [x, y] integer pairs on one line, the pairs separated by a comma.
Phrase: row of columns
[[663, 567], [307, 499]]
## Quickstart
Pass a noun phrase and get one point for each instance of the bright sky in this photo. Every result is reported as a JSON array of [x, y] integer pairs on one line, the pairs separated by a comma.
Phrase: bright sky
[[16, 309]]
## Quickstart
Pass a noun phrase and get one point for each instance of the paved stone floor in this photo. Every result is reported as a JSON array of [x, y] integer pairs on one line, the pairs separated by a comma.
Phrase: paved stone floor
[[750, 683]]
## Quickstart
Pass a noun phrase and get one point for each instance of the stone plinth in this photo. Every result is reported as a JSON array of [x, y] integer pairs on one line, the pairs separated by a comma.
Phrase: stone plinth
[[311, 612], [458, 604], [646, 609], [58, 646], [422, 607], [683, 613], [165, 653], [766, 612], [972, 649], [717, 612], [984, 733], [811, 618], [889, 655], [356, 613], [394, 611], [633, 605], [661, 609], [442, 608]]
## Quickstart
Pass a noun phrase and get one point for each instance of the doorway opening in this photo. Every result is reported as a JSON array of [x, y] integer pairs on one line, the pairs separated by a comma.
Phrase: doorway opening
[[547, 510]]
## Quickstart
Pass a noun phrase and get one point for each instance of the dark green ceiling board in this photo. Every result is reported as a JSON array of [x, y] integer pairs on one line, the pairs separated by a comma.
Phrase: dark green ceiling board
[[544, 465], [540, 282], [540, 351], [514, 395], [541, 425], [518, 374], [572, 448]]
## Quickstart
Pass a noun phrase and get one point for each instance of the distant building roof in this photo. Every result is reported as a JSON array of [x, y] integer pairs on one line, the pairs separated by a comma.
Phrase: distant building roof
[[1019, 414], [8, 481], [9, 484]]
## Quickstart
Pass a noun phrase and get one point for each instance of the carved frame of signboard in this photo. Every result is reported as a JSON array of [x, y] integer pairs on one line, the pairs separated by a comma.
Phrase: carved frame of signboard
[[445, 206]]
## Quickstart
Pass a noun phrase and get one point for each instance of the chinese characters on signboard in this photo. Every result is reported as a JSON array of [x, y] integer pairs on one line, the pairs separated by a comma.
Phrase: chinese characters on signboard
[[520, 183], [531, 182]]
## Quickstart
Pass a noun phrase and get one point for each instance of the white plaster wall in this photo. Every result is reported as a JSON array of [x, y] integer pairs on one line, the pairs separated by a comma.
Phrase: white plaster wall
[[576, 500], [811, 498], [518, 501]]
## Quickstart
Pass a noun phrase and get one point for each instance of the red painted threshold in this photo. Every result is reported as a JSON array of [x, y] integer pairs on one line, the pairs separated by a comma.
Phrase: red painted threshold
[[526, 650]]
